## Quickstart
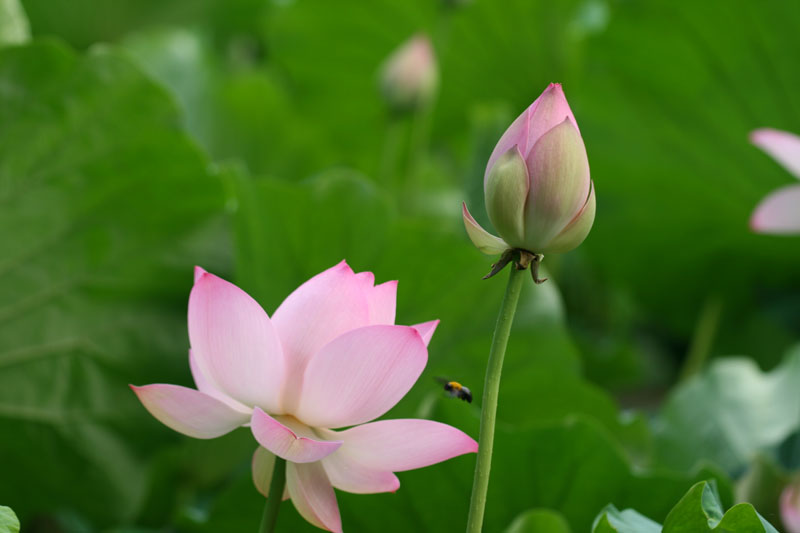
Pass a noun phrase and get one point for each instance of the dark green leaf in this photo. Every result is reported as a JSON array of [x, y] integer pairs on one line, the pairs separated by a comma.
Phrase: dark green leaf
[[701, 510], [234, 111], [666, 128], [698, 511]]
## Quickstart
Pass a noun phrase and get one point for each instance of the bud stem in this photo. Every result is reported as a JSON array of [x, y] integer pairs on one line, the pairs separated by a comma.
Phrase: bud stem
[[418, 145], [276, 488], [491, 391], [703, 338], [391, 152]]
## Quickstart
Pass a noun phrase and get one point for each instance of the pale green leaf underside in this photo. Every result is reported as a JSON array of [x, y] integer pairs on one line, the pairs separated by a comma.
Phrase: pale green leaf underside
[[8, 520], [14, 27]]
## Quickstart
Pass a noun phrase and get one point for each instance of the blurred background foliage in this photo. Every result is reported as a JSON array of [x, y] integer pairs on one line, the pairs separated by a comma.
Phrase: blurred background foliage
[[139, 138]]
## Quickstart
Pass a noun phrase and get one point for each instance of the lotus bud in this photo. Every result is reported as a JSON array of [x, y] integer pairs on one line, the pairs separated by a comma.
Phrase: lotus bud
[[790, 507], [409, 77], [537, 188]]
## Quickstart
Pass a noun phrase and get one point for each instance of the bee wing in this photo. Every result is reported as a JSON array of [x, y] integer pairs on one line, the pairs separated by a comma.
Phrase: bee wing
[[443, 381], [466, 394]]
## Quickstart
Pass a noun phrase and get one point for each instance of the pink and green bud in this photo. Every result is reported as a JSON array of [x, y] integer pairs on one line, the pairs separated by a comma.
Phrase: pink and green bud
[[539, 195], [790, 507], [409, 77]]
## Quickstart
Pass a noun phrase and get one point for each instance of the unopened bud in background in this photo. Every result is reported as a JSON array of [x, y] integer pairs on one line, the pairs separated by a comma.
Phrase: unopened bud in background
[[409, 77]]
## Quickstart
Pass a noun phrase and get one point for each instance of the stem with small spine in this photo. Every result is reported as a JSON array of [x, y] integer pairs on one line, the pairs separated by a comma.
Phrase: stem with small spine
[[703, 338], [491, 391]]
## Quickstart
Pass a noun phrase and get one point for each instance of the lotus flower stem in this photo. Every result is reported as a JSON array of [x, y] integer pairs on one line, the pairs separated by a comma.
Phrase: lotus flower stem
[[491, 391], [419, 141], [392, 146], [276, 488]]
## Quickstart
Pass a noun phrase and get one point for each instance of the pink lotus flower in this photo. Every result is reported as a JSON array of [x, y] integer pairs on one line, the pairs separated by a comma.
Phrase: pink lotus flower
[[537, 188], [790, 507], [330, 357], [779, 211]]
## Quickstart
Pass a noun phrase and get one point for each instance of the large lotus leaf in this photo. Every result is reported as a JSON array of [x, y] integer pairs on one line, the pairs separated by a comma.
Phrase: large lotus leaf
[[730, 413], [103, 201], [235, 110]]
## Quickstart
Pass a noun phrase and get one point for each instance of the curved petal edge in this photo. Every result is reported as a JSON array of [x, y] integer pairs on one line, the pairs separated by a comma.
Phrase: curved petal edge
[[482, 239], [426, 330], [782, 146]]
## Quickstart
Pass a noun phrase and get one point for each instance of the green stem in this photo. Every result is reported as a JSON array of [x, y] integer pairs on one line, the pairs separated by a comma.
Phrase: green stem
[[276, 487], [491, 391], [418, 144], [391, 151], [702, 338]]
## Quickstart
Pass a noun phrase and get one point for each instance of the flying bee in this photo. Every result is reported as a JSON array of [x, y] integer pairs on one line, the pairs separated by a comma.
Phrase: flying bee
[[456, 389]]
